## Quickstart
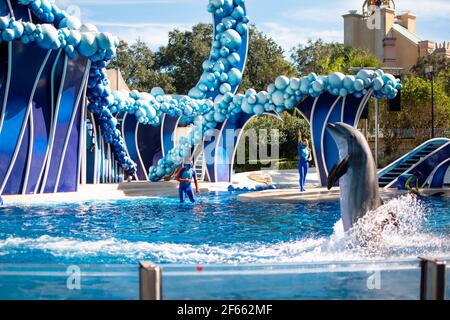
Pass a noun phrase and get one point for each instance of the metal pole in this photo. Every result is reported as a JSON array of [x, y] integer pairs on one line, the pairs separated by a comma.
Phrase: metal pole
[[150, 281], [377, 130], [433, 135], [433, 282]]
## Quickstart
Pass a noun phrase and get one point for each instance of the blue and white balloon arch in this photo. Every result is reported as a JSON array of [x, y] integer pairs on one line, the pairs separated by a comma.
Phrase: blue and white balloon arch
[[214, 100], [213, 103]]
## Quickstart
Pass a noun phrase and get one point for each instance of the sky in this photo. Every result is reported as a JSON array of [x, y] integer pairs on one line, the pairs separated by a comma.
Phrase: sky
[[288, 22]]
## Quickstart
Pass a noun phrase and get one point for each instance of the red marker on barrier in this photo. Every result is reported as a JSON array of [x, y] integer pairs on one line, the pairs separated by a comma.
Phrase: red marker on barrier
[[199, 268]]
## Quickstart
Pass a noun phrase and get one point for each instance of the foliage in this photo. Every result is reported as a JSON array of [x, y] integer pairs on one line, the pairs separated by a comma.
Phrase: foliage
[[441, 69], [288, 130], [266, 61], [137, 65], [415, 114], [178, 66], [184, 54], [183, 57], [324, 58]]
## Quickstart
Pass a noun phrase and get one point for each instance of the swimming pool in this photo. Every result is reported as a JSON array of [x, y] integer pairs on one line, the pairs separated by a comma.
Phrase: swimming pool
[[219, 229]]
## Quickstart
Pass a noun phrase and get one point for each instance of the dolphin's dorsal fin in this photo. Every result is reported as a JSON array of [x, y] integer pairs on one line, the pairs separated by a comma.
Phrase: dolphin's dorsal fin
[[338, 171]]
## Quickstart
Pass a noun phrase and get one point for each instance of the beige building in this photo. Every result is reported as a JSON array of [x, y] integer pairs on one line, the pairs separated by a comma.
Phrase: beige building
[[391, 36], [116, 81]]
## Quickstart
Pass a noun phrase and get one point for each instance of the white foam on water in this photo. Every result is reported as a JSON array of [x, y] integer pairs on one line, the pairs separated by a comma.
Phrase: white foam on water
[[366, 241]]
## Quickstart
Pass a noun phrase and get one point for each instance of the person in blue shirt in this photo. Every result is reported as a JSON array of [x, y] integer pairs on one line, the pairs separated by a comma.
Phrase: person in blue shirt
[[303, 163], [184, 177]]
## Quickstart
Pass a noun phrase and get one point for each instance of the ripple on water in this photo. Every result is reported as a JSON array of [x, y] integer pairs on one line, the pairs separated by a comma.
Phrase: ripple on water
[[264, 237]]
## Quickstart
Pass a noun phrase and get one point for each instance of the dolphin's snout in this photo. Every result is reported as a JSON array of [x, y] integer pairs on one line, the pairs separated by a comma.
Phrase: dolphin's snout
[[333, 129], [339, 129]]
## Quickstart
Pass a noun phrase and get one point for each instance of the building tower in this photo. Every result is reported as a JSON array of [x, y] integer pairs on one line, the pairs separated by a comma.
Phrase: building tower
[[391, 37]]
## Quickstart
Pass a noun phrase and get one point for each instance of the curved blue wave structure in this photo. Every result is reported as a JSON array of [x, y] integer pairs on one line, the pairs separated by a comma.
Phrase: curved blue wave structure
[[129, 127], [4, 9], [11, 7], [432, 167], [389, 175], [223, 147], [147, 154], [101, 166], [66, 129], [149, 149], [318, 111], [147, 144], [168, 127], [327, 109], [49, 57], [438, 177], [27, 143], [284, 95], [42, 120], [41, 103], [17, 103]]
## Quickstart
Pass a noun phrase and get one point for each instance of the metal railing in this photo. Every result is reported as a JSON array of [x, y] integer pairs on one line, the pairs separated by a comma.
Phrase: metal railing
[[409, 279], [432, 280], [150, 281]]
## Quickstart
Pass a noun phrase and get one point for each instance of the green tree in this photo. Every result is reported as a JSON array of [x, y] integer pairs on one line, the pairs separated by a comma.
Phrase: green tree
[[441, 69], [324, 58], [415, 114], [137, 64], [288, 129], [186, 51], [265, 62], [184, 54]]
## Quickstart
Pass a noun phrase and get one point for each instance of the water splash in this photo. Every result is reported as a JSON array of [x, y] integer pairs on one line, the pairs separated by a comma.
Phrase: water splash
[[389, 229]]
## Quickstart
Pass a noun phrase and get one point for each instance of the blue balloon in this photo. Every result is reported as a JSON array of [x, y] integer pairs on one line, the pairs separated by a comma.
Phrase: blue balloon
[[231, 39]]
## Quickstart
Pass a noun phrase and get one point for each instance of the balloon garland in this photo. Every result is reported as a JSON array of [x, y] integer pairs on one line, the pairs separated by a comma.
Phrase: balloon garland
[[62, 31], [208, 104], [282, 95], [222, 72]]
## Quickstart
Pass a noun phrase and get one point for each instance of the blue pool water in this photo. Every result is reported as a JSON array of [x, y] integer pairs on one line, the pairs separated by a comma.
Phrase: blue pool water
[[217, 230]]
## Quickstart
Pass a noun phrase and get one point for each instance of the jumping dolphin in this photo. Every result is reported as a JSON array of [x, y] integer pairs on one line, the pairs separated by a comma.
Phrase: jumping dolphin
[[356, 172]]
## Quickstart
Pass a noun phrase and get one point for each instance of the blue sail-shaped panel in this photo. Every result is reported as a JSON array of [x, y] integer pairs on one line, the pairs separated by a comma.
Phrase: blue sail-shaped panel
[[17, 106]]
